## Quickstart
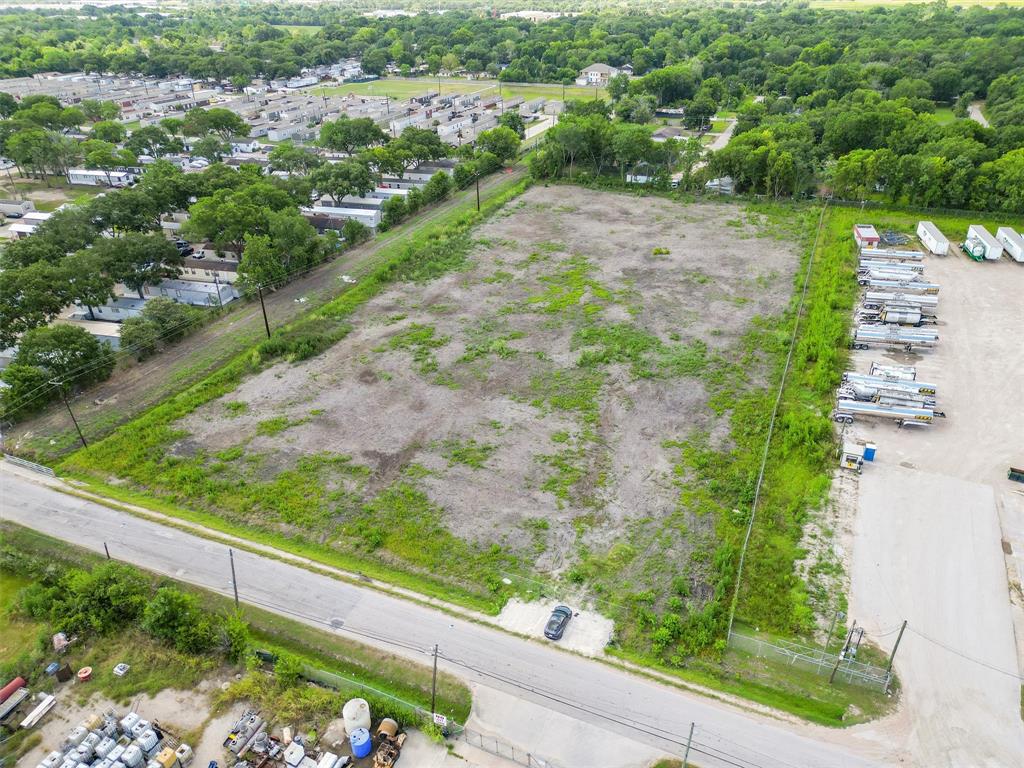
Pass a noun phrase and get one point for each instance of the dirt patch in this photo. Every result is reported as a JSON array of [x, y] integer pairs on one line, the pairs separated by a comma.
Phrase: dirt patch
[[535, 398], [588, 632]]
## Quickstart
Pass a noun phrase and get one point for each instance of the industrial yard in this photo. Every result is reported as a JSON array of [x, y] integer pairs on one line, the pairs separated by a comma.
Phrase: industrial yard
[[932, 526]]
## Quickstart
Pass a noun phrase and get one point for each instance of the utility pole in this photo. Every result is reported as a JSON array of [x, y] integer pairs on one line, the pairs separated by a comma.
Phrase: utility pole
[[892, 655], [433, 685], [689, 741], [842, 653], [478, 194], [64, 397], [234, 579], [831, 629], [266, 323], [107, 551]]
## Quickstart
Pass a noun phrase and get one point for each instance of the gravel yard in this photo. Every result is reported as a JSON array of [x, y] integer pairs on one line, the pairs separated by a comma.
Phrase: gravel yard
[[939, 530]]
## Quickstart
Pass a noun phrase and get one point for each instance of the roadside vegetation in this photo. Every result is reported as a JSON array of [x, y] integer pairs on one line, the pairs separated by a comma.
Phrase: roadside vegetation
[[174, 636]]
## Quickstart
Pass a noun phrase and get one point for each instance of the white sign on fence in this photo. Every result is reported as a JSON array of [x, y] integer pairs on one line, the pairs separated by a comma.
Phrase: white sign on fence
[[440, 720]]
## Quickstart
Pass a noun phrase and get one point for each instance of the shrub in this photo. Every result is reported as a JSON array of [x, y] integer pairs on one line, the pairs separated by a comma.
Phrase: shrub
[[175, 618]]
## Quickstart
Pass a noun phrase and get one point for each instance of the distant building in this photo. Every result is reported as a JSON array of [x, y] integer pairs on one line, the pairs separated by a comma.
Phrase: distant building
[[724, 185], [92, 178], [116, 310], [198, 294], [596, 74]]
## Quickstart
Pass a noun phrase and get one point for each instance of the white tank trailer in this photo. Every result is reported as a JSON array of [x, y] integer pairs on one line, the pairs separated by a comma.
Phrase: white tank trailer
[[865, 394], [847, 410], [878, 299], [895, 384], [900, 286], [869, 335], [892, 255], [867, 265]]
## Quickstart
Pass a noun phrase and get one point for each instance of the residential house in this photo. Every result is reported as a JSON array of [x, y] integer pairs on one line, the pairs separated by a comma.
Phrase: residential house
[[596, 75], [209, 270]]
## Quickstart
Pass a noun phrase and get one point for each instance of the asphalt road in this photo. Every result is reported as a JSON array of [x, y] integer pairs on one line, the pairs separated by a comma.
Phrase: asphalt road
[[589, 691]]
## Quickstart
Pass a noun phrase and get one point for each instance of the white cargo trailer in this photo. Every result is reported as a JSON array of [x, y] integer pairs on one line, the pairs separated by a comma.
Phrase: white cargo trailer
[[1011, 240], [932, 238]]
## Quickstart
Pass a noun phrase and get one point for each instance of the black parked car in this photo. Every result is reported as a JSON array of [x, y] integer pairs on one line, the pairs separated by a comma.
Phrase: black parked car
[[557, 623]]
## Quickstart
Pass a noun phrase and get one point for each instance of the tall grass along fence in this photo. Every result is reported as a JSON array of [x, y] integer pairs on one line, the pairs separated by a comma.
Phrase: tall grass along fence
[[814, 659]]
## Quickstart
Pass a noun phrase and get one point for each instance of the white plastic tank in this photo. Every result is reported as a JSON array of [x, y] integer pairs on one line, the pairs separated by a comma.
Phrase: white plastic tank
[[148, 741], [356, 714], [52, 760], [327, 760], [154, 764], [82, 753], [128, 722], [91, 740], [184, 754], [132, 756], [116, 752], [77, 736], [140, 728], [104, 763], [68, 763], [105, 747]]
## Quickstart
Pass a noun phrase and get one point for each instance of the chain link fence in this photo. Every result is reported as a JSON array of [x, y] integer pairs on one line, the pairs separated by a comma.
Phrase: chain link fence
[[814, 659], [501, 749]]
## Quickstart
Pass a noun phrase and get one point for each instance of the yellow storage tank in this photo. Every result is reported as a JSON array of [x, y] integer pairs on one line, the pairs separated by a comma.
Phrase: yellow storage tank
[[167, 758]]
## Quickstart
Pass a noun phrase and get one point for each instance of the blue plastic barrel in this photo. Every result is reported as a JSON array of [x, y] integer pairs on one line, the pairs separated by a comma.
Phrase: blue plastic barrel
[[362, 745]]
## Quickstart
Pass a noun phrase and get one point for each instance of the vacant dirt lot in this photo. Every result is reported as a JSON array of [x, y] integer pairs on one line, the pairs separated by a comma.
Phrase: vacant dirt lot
[[530, 401]]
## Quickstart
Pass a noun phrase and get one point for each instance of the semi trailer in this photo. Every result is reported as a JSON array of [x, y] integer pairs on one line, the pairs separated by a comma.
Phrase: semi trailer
[[866, 265], [892, 255], [886, 397], [847, 410], [869, 335], [879, 299], [900, 286], [891, 383]]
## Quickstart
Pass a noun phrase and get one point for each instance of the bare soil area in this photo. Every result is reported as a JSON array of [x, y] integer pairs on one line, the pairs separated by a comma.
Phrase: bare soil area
[[532, 401]]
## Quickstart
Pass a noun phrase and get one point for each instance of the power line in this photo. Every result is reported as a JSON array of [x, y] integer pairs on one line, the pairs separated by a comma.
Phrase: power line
[[771, 423]]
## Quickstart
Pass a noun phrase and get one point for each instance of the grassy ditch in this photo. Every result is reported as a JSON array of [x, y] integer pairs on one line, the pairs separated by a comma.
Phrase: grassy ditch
[[27, 557]]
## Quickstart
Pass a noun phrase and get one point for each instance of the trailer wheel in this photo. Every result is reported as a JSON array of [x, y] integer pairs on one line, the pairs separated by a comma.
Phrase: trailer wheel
[[848, 420]]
